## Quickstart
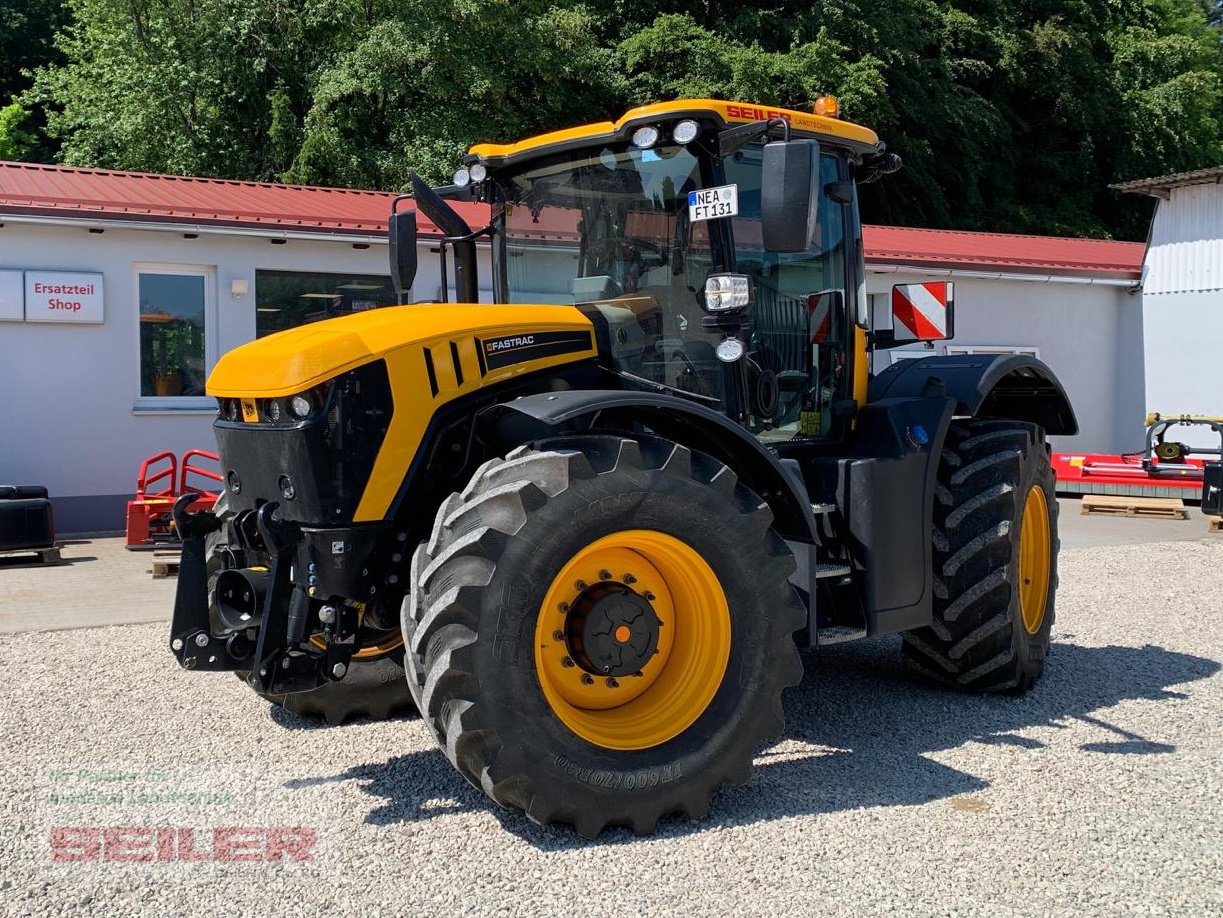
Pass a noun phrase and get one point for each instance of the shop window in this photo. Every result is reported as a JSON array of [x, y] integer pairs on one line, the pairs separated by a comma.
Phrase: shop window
[[286, 299], [173, 307]]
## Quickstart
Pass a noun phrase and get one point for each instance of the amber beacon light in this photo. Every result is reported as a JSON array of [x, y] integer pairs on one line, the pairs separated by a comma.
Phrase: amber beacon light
[[828, 106]]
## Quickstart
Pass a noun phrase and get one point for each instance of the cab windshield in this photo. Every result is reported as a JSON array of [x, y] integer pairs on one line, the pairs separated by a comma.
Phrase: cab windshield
[[610, 230]]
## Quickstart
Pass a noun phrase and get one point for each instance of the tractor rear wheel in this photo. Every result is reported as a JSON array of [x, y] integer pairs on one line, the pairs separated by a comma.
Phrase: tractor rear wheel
[[600, 629], [373, 687], [995, 560]]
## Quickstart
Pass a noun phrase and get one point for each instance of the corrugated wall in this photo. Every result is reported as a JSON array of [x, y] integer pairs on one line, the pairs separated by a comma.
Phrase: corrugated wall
[[1186, 250]]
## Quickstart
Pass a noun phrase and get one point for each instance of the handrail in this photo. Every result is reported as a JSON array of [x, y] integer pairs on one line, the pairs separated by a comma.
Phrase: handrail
[[144, 480]]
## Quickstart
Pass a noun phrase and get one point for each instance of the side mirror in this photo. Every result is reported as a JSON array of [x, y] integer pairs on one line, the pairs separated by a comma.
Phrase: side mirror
[[923, 312], [788, 194], [402, 230]]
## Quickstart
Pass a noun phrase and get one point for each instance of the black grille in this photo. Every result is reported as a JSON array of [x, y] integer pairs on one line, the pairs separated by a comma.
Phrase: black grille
[[327, 458]]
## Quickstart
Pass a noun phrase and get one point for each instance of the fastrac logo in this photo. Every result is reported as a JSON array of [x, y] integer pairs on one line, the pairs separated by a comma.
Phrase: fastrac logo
[[180, 845], [504, 344]]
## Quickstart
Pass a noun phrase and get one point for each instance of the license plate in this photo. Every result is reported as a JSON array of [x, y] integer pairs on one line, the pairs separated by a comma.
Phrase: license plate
[[250, 413], [711, 203]]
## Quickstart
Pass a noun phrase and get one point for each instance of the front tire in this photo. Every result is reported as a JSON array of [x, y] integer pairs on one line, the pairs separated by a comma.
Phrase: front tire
[[995, 560], [599, 633]]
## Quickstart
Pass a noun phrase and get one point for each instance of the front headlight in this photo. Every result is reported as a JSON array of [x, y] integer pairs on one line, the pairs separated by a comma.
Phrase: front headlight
[[300, 407], [726, 292]]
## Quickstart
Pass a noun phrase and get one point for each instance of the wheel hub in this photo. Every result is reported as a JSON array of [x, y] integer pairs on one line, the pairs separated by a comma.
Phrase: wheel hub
[[611, 630]]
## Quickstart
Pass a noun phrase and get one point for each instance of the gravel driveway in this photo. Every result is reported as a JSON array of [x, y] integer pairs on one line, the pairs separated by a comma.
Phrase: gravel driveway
[[1099, 793]]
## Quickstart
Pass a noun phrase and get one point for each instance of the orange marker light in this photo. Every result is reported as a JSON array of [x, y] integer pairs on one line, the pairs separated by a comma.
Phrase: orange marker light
[[828, 107]]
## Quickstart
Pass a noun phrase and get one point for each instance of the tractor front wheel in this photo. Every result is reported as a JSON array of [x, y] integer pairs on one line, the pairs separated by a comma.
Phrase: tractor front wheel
[[600, 629]]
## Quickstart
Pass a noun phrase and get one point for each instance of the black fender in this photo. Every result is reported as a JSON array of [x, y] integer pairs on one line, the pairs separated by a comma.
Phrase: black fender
[[535, 417], [1016, 387]]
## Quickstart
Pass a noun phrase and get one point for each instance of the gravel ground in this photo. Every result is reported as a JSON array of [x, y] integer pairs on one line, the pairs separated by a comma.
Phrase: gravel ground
[[1098, 793]]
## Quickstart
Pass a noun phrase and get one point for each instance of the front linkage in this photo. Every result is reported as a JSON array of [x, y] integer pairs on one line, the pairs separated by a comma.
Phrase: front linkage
[[261, 620]]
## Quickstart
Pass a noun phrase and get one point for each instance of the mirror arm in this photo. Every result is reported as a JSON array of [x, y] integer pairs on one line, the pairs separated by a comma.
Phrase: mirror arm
[[741, 135]]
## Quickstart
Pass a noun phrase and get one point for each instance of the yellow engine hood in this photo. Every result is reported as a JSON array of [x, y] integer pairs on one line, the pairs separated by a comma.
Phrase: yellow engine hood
[[298, 359]]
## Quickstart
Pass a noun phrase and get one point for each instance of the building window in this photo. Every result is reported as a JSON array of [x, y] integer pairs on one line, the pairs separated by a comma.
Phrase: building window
[[173, 306], [286, 299]]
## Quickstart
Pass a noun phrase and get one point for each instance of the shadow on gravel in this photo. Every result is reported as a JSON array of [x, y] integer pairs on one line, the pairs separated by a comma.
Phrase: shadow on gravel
[[875, 722]]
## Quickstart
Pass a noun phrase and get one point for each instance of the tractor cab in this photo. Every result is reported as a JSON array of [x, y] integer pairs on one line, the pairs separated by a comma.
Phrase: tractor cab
[[716, 248]]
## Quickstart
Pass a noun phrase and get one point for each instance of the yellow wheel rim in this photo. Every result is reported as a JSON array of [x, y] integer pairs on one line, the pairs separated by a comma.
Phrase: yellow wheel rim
[[676, 682], [1034, 560]]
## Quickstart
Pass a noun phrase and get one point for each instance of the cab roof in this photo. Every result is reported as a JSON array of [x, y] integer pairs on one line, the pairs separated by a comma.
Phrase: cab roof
[[860, 139]]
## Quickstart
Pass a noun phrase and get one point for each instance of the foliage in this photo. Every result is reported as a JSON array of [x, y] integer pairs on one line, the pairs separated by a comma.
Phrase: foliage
[[434, 77], [1010, 114], [15, 139]]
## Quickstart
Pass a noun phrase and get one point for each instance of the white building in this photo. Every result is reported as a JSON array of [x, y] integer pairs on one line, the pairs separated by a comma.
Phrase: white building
[[156, 276], [1182, 297]]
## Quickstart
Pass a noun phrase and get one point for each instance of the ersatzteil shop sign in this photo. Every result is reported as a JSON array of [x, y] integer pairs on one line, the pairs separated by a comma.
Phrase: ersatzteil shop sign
[[61, 296]]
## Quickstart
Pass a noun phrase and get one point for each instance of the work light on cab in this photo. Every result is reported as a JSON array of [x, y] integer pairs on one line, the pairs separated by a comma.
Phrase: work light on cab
[[645, 137], [462, 177], [685, 132]]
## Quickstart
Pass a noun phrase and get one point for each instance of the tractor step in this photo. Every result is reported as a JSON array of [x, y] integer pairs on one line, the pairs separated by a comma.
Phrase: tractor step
[[838, 634], [1163, 508], [832, 570]]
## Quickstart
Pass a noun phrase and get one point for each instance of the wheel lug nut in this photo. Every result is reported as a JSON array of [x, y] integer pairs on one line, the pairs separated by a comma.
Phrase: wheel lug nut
[[612, 683], [558, 635], [581, 585], [564, 607], [629, 578], [587, 680], [605, 575], [649, 597], [567, 662]]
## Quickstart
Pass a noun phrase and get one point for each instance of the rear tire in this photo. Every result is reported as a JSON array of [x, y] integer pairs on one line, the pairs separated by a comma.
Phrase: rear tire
[[479, 623], [995, 560]]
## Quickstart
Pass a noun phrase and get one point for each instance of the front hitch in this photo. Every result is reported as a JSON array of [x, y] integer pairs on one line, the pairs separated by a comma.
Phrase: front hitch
[[190, 640], [275, 606]]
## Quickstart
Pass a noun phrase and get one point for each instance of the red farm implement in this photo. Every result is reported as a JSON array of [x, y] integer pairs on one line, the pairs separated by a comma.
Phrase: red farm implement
[[162, 479]]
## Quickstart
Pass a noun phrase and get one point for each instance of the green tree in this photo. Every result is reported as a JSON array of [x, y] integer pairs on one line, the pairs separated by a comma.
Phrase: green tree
[[209, 87], [433, 78], [15, 140]]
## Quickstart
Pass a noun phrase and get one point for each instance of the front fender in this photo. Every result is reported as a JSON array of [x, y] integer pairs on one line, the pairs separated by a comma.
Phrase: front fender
[[1017, 387], [535, 417]]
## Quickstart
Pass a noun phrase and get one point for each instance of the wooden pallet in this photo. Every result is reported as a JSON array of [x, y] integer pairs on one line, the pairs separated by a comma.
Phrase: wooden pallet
[[166, 563], [1152, 508], [1216, 524], [41, 555]]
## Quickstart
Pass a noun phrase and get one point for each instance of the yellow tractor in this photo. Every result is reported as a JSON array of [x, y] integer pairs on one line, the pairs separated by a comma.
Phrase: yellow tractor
[[587, 528]]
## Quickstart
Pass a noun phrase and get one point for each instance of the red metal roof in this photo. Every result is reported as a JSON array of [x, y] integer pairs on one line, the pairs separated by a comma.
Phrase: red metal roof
[[1004, 252], [105, 194], [42, 190]]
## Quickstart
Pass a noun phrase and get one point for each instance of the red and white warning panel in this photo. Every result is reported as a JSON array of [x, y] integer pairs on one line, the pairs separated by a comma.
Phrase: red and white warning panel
[[922, 312], [819, 315]]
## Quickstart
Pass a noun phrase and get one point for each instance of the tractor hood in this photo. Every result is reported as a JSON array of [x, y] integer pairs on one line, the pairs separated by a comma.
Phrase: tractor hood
[[298, 359]]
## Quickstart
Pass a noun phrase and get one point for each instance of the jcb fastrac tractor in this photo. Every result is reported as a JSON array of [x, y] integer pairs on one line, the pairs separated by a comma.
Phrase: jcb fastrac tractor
[[596, 520]]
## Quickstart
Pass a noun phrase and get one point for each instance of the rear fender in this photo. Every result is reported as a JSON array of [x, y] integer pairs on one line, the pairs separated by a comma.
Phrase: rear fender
[[1015, 387]]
